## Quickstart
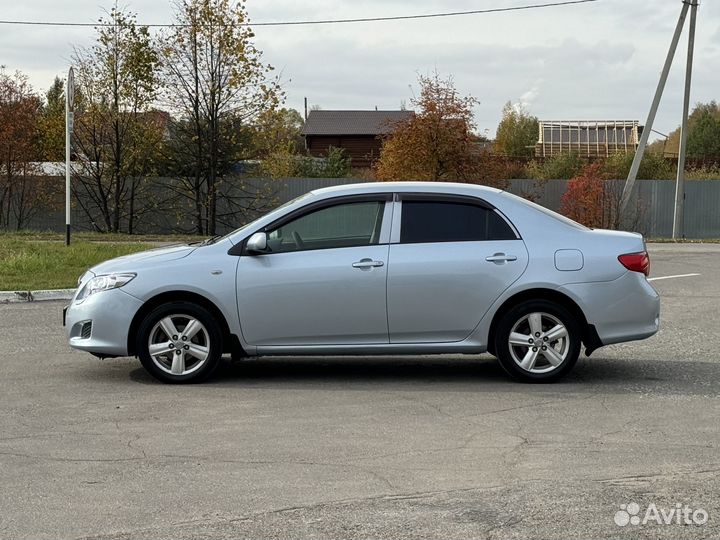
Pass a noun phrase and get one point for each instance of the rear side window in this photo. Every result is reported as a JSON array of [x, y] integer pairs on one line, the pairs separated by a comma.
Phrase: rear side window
[[427, 221]]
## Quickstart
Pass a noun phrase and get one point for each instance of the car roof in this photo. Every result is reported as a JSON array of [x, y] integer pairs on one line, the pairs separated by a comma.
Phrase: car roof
[[389, 187]]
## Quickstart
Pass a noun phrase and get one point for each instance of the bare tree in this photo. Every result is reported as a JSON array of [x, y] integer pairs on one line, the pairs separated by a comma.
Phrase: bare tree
[[214, 81], [114, 134]]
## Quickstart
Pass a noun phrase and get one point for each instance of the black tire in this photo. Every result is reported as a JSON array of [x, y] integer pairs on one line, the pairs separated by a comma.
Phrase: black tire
[[208, 338], [544, 370]]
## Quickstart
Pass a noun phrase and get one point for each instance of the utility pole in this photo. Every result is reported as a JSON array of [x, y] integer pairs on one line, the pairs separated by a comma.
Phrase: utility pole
[[69, 102], [678, 218], [632, 175]]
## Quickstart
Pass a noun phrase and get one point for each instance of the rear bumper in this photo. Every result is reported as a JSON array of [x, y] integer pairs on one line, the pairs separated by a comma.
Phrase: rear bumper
[[100, 324], [625, 309]]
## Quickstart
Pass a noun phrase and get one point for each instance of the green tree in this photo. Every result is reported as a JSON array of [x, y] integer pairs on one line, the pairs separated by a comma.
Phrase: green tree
[[704, 137], [703, 134], [652, 167], [51, 123], [517, 132], [113, 126], [215, 82], [285, 163], [276, 129], [559, 166], [337, 163]]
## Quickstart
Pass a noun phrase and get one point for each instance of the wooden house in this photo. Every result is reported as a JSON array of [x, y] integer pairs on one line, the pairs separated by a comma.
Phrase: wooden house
[[359, 133]]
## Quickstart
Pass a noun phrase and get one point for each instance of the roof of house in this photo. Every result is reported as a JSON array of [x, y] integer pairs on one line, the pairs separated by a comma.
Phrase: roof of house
[[352, 122]]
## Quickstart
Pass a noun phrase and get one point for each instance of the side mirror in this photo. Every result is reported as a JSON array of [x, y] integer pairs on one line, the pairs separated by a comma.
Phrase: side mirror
[[257, 243]]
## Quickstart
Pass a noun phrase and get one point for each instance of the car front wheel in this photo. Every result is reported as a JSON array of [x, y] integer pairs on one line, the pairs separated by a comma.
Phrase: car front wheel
[[538, 341], [179, 342]]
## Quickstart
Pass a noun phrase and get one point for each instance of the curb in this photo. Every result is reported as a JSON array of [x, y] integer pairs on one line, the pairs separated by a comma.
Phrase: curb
[[12, 297]]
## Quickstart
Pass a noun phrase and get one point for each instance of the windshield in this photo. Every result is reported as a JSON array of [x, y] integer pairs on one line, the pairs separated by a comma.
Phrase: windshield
[[550, 213]]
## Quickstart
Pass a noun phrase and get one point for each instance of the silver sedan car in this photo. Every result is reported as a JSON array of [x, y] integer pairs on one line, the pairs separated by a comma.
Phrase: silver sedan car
[[380, 268]]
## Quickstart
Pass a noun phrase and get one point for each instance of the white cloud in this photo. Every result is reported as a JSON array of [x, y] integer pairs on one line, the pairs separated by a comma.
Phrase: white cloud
[[527, 99], [597, 60]]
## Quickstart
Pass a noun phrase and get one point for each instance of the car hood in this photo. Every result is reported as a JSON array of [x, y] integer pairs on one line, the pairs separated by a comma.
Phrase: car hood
[[134, 261]]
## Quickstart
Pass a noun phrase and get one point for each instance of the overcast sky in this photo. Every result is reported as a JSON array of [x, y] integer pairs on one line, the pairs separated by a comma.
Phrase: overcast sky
[[591, 61]]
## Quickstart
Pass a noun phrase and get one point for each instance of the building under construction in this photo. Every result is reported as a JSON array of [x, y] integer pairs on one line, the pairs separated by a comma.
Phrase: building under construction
[[587, 137]]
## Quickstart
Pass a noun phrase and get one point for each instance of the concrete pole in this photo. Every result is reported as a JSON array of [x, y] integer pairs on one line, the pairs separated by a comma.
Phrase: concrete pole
[[678, 218], [632, 176]]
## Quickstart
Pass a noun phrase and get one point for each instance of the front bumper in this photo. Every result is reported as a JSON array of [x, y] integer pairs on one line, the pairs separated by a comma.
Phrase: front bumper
[[100, 324]]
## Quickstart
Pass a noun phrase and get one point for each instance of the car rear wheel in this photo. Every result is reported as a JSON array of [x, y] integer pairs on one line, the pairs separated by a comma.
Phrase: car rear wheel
[[538, 341], [179, 342]]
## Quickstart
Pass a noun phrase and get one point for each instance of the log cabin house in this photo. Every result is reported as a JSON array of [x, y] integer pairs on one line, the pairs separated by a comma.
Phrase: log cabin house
[[359, 133]]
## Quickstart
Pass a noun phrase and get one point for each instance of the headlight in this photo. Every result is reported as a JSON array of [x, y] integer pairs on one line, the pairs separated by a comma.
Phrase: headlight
[[103, 283]]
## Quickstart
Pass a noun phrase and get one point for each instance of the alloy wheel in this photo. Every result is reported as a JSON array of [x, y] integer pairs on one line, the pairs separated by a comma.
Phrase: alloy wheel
[[179, 344], [539, 342]]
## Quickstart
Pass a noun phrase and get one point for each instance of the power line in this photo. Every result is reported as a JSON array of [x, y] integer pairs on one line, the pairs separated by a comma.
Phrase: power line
[[323, 21]]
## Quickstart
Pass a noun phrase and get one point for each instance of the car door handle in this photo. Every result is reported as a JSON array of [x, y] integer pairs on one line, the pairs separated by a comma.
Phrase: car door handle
[[367, 263], [501, 258]]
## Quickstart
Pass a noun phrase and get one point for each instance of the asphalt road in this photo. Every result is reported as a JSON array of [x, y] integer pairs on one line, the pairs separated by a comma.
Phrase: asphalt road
[[378, 447]]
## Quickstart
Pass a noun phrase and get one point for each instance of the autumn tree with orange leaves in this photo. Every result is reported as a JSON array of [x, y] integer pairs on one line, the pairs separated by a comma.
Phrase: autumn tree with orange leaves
[[584, 199], [437, 143], [22, 193], [593, 199]]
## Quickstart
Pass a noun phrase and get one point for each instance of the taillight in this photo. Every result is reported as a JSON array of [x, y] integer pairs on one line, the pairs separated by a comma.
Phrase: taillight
[[636, 262]]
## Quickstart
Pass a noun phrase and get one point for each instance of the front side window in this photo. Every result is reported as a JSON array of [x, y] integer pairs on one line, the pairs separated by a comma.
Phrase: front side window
[[342, 225], [427, 221]]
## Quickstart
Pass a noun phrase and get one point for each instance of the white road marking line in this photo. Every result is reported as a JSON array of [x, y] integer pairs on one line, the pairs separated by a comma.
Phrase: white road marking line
[[671, 277]]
